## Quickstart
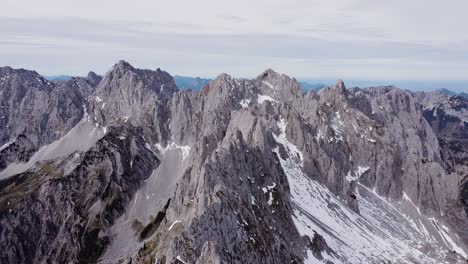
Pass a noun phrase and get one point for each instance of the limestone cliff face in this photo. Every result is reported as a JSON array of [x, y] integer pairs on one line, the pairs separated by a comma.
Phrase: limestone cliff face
[[448, 118], [85, 85], [60, 210], [243, 171], [33, 112]]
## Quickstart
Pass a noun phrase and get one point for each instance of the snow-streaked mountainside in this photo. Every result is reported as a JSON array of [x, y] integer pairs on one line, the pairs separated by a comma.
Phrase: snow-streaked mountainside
[[127, 168]]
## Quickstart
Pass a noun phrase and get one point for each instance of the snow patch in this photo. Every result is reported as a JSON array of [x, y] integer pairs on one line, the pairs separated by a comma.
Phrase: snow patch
[[443, 232], [269, 84], [281, 139], [262, 98], [270, 199], [81, 137], [368, 139], [406, 198], [381, 230], [311, 259], [7, 144], [268, 190], [245, 103], [179, 259], [172, 225], [272, 186], [319, 135], [357, 174], [337, 125], [185, 150]]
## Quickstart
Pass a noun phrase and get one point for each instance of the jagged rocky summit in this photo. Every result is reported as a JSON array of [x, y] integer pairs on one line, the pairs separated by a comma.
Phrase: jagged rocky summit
[[126, 168]]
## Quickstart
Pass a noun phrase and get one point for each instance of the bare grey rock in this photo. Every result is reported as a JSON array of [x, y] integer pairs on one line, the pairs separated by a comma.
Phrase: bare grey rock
[[36, 108], [60, 210], [242, 171]]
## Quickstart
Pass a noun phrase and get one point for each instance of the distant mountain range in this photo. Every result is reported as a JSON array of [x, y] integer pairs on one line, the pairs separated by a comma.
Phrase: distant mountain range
[[190, 83], [197, 83], [58, 77], [185, 83], [451, 93], [306, 86]]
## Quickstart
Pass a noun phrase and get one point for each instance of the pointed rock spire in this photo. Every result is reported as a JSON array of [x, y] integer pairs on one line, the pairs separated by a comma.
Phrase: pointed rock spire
[[93, 78], [340, 85], [92, 75], [277, 85], [340, 88], [122, 64], [268, 73]]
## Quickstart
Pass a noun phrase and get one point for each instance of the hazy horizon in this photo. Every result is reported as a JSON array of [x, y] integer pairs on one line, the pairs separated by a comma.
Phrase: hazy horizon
[[309, 39], [414, 85]]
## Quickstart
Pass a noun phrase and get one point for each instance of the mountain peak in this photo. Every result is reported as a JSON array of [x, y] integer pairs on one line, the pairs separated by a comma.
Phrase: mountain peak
[[316, 172], [340, 85], [124, 78], [93, 78], [277, 85], [451, 93], [223, 76], [268, 73], [92, 75], [123, 66], [20, 71], [10, 77], [124, 63]]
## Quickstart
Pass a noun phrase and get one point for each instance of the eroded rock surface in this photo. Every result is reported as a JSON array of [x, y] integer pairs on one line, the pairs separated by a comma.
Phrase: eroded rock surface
[[242, 171]]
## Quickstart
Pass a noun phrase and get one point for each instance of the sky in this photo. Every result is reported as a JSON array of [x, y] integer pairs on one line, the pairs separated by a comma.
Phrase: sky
[[378, 41]]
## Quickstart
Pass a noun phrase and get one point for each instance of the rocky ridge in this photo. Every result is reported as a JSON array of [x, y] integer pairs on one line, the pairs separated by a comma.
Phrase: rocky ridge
[[245, 170]]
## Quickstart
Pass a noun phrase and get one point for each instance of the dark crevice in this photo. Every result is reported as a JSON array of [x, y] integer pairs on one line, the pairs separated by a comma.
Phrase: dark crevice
[[154, 225]]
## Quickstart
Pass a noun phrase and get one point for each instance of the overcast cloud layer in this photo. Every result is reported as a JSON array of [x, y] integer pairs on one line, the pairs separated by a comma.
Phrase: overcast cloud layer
[[349, 39]]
